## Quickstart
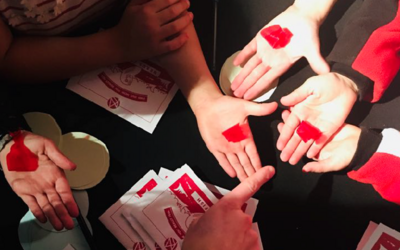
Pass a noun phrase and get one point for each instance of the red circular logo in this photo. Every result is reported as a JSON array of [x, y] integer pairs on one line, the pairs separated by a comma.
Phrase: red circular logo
[[157, 246], [139, 246], [170, 244], [113, 102]]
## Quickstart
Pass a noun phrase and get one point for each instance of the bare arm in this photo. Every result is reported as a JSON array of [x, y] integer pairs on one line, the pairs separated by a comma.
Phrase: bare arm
[[46, 59], [317, 9], [215, 112]]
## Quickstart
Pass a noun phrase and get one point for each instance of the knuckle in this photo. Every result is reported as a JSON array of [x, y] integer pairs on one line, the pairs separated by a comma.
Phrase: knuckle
[[248, 220], [175, 26], [252, 235], [173, 11], [252, 186]]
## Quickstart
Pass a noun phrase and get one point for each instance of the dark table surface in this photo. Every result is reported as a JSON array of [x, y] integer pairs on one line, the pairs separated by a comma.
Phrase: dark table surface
[[296, 210]]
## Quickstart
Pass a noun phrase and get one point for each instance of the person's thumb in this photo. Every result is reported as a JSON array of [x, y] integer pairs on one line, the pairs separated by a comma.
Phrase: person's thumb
[[245, 190], [321, 166], [257, 109], [297, 96], [57, 157]]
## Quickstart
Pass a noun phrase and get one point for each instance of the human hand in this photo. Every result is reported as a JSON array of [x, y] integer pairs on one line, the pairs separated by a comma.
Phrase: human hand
[[152, 28], [324, 101], [337, 152], [225, 226], [46, 191], [263, 64], [239, 159]]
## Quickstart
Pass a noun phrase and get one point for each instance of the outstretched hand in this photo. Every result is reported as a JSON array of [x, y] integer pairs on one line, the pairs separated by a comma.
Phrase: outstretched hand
[[239, 159], [338, 151], [324, 101], [46, 191], [263, 64]]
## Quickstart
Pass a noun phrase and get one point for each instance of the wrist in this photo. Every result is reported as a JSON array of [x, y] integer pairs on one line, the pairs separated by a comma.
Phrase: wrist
[[202, 99], [349, 83], [117, 44], [315, 10]]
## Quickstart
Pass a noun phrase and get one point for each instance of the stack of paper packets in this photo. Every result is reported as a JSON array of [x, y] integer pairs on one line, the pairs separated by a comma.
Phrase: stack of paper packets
[[158, 210]]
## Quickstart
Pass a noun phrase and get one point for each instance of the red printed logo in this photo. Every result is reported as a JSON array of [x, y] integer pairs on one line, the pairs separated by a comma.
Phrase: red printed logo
[[113, 102], [148, 187], [387, 242], [157, 246], [170, 244], [139, 246]]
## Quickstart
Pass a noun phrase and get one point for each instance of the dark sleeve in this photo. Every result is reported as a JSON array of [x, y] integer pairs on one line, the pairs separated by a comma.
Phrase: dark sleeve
[[356, 35], [366, 147]]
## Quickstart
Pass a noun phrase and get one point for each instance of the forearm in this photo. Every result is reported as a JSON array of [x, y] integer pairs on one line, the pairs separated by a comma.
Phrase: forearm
[[189, 69], [46, 59], [316, 9]]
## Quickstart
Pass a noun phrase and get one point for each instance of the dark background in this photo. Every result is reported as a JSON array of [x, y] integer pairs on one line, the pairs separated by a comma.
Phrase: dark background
[[296, 210]]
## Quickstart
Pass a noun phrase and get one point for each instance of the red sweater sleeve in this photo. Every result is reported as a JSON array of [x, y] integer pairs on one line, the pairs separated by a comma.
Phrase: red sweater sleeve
[[382, 170], [379, 59]]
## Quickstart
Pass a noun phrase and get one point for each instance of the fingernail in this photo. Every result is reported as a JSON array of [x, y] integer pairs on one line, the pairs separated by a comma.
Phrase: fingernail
[[304, 171], [191, 15]]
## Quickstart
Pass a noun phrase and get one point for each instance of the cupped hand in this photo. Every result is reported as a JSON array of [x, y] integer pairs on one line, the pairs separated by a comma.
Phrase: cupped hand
[[46, 191], [263, 64]]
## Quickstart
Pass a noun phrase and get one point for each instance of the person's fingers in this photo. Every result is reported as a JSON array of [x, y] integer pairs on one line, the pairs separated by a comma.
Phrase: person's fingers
[[60, 209], [327, 133], [297, 96], [225, 164], [257, 109], [300, 151], [57, 157], [285, 115], [280, 126], [173, 44], [235, 163], [31, 202], [265, 82], [64, 191], [245, 162], [290, 148], [252, 79], [251, 151], [322, 166], [288, 130], [317, 62], [245, 72], [248, 51], [175, 10], [245, 190], [160, 5], [176, 26], [48, 210], [317, 146]]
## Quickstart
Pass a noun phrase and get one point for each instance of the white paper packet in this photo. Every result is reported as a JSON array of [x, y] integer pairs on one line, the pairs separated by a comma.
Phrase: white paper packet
[[173, 205], [118, 225], [383, 238], [249, 207]]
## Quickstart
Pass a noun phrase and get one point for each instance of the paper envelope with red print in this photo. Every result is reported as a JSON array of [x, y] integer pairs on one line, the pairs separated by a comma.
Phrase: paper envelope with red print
[[138, 92], [180, 199]]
